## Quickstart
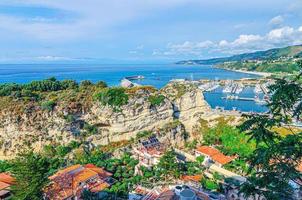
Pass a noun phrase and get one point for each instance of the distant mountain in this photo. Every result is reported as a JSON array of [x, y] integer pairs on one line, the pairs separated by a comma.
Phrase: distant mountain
[[272, 54]]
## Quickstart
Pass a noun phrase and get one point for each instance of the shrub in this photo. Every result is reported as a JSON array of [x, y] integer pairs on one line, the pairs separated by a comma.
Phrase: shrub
[[48, 105], [69, 84], [143, 134], [114, 97], [156, 100], [69, 118], [90, 129], [85, 83], [101, 84]]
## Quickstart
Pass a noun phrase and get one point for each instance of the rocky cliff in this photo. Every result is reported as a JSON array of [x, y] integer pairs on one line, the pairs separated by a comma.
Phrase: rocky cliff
[[25, 124]]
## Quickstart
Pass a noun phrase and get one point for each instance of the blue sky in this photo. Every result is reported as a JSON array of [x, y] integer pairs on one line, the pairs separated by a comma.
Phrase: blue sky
[[100, 31]]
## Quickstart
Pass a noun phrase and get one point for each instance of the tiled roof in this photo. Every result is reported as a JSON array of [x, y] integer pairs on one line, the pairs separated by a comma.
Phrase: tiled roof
[[222, 159], [6, 178], [215, 154], [3, 185], [100, 187], [210, 151], [67, 182], [195, 178], [6, 181]]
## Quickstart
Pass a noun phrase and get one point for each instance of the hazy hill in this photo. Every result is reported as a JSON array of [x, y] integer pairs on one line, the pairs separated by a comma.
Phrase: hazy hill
[[272, 54]]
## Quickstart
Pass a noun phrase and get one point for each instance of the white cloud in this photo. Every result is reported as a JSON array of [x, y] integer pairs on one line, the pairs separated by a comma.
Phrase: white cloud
[[277, 21], [54, 58], [280, 33], [95, 17], [244, 43]]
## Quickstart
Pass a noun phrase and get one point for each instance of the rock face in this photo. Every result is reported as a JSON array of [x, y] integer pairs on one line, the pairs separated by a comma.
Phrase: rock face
[[33, 127], [188, 102]]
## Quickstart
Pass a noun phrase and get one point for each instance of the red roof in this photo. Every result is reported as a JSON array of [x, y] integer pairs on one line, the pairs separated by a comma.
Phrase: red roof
[[6, 178], [69, 181], [210, 151], [222, 159], [194, 178], [215, 154]]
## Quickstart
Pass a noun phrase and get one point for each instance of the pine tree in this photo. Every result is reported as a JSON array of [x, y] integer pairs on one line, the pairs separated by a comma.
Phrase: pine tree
[[31, 173]]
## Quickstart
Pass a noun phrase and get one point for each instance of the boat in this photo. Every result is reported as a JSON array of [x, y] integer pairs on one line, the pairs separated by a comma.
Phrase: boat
[[257, 89], [138, 77]]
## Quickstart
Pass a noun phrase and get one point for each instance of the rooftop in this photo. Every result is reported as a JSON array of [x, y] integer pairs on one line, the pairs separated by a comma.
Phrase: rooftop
[[71, 181], [215, 154]]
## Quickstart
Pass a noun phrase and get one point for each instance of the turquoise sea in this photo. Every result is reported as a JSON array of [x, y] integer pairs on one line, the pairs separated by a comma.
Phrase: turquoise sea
[[156, 75]]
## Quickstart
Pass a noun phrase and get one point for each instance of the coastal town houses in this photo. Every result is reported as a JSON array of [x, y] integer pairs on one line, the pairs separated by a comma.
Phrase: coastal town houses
[[172, 192], [6, 181], [148, 151], [69, 183], [213, 155]]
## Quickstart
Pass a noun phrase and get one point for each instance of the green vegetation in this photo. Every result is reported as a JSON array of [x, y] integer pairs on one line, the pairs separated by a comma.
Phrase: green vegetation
[[48, 105], [273, 60], [209, 184], [5, 166], [114, 97], [274, 163], [265, 66], [143, 134], [230, 140], [31, 173], [90, 129], [168, 165], [156, 100]]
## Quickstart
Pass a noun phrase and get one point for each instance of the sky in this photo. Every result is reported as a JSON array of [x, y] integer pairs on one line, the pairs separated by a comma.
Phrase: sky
[[138, 31]]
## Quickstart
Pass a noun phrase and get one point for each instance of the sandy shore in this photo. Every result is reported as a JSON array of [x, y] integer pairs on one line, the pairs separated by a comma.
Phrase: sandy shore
[[264, 74]]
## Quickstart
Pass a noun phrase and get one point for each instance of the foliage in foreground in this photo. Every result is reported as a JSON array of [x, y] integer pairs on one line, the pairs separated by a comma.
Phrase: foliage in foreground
[[31, 173], [274, 163]]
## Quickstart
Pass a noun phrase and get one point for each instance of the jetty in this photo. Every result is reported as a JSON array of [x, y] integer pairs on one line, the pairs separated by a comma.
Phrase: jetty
[[136, 77]]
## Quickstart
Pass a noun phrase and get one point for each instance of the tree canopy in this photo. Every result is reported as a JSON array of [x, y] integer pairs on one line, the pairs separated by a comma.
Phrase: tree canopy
[[274, 163], [31, 173]]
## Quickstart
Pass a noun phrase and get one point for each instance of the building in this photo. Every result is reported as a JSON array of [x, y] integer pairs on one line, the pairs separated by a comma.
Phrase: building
[[213, 155], [178, 192], [69, 183], [6, 181], [149, 151]]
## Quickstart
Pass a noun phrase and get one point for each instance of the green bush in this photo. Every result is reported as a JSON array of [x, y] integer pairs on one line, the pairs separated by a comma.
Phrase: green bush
[[48, 105], [114, 97], [85, 83], [143, 134], [209, 184], [90, 129], [101, 84], [69, 118], [156, 100]]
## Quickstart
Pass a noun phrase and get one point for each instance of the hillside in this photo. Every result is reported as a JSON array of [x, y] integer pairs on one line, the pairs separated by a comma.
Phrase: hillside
[[273, 60], [52, 112]]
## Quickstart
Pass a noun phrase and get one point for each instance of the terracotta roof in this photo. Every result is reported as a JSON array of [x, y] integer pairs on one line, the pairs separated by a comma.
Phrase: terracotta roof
[[222, 159], [100, 187], [210, 151], [3, 185], [6, 178], [195, 178], [215, 154], [299, 168], [68, 182]]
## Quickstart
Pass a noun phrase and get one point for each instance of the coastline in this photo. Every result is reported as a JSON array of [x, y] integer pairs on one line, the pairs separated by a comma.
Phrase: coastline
[[263, 74]]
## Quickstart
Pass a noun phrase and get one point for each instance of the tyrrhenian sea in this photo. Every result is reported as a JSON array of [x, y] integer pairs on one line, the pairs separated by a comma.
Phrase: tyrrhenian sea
[[157, 75]]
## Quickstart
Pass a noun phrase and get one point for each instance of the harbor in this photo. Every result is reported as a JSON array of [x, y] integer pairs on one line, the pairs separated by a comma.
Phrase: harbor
[[244, 95]]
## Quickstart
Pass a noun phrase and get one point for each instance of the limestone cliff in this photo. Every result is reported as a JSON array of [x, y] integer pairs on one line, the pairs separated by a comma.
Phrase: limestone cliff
[[26, 124], [188, 103]]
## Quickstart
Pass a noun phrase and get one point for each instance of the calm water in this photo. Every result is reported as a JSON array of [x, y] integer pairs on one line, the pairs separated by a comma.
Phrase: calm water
[[157, 75]]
